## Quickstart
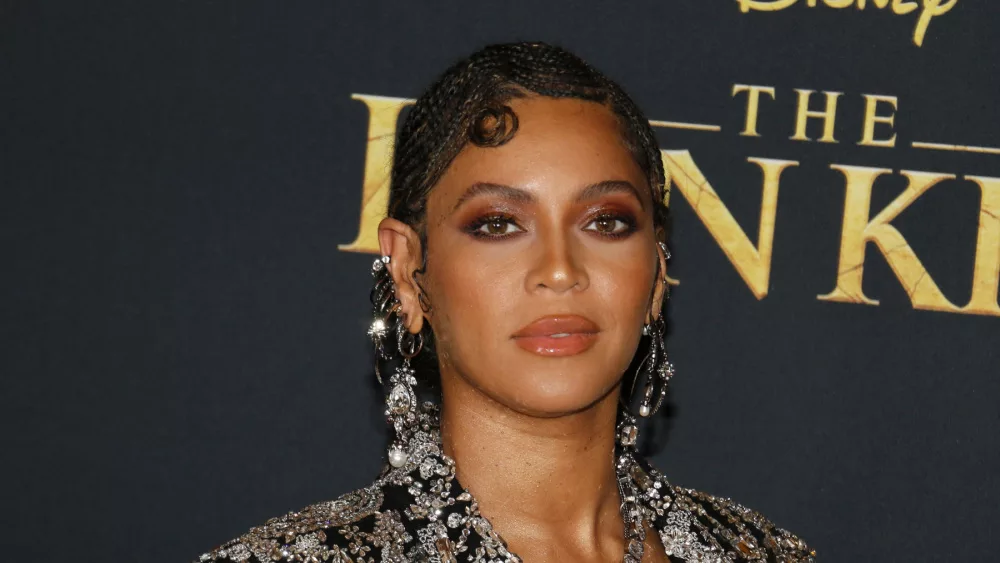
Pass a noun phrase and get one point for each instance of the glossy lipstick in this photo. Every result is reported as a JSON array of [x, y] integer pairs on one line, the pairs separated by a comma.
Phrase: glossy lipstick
[[557, 335]]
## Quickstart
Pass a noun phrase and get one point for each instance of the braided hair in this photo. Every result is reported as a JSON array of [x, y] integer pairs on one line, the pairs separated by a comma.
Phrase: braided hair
[[468, 104]]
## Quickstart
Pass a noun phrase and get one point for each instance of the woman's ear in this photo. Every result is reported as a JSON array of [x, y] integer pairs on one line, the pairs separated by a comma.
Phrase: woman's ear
[[402, 244], [660, 285]]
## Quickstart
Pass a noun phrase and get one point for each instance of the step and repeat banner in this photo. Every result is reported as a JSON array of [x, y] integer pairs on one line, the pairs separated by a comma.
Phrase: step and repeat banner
[[194, 194]]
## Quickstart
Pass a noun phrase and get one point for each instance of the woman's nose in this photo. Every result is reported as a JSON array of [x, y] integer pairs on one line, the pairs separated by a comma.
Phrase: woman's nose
[[558, 263]]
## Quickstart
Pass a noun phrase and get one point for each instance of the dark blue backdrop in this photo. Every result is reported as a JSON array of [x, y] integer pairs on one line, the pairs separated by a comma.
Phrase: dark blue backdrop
[[184, 348]]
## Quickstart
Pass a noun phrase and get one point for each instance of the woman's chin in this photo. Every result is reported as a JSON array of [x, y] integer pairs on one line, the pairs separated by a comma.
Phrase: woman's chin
[[552, 400]]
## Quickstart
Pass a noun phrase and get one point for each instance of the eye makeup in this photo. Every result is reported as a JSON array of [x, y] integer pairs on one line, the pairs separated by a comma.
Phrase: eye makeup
[[482, 226], [475, 227], [630, 225]]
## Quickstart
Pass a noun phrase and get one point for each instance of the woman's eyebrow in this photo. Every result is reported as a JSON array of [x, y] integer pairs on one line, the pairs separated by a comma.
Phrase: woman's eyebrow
[[489, 188], [521, 196], [607, 187]]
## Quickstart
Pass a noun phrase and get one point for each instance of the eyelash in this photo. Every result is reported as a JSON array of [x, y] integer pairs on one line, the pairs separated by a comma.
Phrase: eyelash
[[473, 228]]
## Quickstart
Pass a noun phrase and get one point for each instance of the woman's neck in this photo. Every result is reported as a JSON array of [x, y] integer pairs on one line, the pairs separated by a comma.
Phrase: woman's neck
[[540, 481]]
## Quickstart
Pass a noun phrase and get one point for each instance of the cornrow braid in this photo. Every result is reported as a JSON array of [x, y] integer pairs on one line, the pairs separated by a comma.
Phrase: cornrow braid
[[468, 104]]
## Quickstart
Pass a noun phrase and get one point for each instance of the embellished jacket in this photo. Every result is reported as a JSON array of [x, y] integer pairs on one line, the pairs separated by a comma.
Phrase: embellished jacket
[[420, 513]]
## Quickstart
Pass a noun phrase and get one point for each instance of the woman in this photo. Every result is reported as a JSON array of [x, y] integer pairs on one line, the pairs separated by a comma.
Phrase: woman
[[523, 272]]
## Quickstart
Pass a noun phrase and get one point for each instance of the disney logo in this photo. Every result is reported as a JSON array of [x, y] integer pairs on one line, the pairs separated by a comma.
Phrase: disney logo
[[929, 9]]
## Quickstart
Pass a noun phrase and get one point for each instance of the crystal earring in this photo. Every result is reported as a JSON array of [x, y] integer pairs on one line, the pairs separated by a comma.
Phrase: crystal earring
[[628, 430], [666, 251], [658, 369], [401, 401], [384, 305]]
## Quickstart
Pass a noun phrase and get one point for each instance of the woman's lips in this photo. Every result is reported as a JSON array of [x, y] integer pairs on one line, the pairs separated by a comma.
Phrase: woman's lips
[[557, 346], [557, 335]]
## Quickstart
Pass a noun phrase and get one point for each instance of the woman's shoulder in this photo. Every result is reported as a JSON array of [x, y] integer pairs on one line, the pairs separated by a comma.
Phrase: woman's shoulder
[[699, 526], [323, 531], [419, 512]]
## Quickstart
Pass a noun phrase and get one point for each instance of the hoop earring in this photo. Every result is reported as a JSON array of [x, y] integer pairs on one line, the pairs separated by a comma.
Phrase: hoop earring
[[384, 305], [658, 370], [401, 401], [655, 369]]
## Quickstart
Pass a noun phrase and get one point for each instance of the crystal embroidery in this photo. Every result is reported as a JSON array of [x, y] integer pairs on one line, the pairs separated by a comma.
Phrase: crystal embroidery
[[418, 512]]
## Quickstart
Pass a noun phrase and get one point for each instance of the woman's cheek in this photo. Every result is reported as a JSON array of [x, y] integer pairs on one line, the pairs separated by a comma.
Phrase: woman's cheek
[[464, 303]]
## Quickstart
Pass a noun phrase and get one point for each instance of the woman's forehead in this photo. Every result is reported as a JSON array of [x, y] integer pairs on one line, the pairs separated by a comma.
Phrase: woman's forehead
[[560, 144]]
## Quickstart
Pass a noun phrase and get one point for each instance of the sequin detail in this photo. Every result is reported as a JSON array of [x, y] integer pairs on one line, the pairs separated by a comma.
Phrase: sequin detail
[[419, 513]]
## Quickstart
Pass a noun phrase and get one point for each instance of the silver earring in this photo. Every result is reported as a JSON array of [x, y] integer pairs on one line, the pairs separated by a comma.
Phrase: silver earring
[[401, 401], [657, 371], [656, 368], [628, 430], [384, 305], [666, 251]]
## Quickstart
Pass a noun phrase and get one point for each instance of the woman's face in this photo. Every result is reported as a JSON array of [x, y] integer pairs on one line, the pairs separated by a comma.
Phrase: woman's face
[[556, 225]]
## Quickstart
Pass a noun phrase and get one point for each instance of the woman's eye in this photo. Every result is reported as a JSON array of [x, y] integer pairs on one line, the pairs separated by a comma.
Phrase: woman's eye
[[497, 227], [609, 225], [500, 227]]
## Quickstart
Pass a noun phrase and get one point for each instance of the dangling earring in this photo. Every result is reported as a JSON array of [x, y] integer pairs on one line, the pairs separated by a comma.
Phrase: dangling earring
[[658, 370], [628, 431], [401, 401]]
